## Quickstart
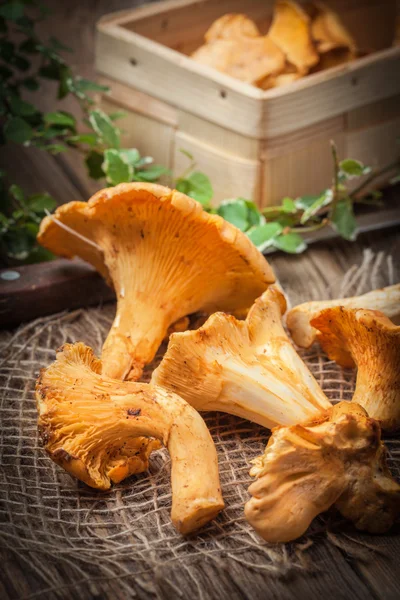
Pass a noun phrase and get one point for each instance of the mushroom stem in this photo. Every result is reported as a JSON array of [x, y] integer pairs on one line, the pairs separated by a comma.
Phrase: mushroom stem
[[133, 339], [89, 424]]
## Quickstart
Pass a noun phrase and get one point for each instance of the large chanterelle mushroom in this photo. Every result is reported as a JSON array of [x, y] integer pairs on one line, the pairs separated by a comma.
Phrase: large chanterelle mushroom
[[165, 257], [91, 425]]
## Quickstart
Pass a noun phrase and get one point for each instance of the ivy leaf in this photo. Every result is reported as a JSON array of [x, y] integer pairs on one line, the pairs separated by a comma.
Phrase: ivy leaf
[[116, 168], [303, 202], [94, 162], [55, 148], [7, 49], [290, 242], [84, 85], [58, 46], [84, 138], [17, 193], [153, 173], [353, 168], [264, 235], [343, 219], [29, 46], [17, 130], [289, 205], [30, 83], [254, 216], [118, 114], [144, 160], [12, 10], [234, 211], [198, 186], [323, 200], [20, 62], [51, 71], [60, 118], [132, 156], [104, 128], [39, 203], [20, 107]]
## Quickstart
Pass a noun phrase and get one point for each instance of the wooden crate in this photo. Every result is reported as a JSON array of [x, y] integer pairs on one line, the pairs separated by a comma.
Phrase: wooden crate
[[258, 144]]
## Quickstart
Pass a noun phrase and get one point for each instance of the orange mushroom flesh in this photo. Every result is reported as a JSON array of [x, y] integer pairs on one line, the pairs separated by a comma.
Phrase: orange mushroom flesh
[[386, 300], [165, 257], [369, 340], [336, 460], [92, 426], [290, 31], [245, 368]]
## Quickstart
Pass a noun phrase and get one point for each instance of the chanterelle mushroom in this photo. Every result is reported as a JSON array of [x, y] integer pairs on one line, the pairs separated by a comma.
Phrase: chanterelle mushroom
[[90, 424], [337, 459], [386, 300], [246, 368], [368, 339], [166, 258]]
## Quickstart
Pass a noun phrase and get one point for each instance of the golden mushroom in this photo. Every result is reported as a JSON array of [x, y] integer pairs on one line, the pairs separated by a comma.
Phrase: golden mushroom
[[386, 300], [165, 257], [245, 368], [369, 340], [337, 459], [91, 425]]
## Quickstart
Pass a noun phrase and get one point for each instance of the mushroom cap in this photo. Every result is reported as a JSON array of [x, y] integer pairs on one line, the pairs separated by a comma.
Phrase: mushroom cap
[[386, 300], [231, 26], [329, 33], [290, 30], [369, 340], [336, 459], [97, 429], [246, 368], [174, 230], [166, 258], [249, 59]]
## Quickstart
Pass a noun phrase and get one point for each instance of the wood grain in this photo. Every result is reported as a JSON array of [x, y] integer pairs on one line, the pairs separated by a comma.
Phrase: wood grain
[[336, 573]]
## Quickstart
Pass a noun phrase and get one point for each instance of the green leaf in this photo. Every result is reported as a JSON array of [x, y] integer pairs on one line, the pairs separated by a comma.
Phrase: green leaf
[[12, 10], [20, 107], [39, 254], [323, 200], [17, 193], [303, 202], [395, 179], [289, 205], [30, 83], [104, 128], [144, 160], [60, 118], [5, 72], [20, 62], [152, 173], [51, 71], [3, 25], [353, 168], [29, 46], [94, 162], [84, 138], [118, 114], [116, 167], [39, 203], [84, 85], [343, 219], [182, 185], [65, 79], [55, 148], [292, 243], [132, 156], [254, 216], [234, 211], [7, 49], [17, 130], [263, 235], [198, 186]]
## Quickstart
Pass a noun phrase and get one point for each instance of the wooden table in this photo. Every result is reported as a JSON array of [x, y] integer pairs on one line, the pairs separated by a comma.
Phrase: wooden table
[[371, 570]]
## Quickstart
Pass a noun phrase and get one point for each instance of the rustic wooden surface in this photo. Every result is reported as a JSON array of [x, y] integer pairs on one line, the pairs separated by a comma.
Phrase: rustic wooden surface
[[365, 567]]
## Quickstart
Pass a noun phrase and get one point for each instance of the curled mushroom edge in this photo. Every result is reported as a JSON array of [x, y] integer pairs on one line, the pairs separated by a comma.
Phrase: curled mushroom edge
[[337, 459], [98, 430]]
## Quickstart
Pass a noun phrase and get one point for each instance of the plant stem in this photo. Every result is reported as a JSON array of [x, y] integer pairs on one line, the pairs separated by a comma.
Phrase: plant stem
[[311, 228]]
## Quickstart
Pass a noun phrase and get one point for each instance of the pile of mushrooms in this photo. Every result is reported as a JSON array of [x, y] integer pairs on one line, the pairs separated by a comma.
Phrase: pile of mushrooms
[[166, 258]]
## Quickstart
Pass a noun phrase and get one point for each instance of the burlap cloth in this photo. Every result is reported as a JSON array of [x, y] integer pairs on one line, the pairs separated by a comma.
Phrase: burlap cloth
[[79, 543]]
